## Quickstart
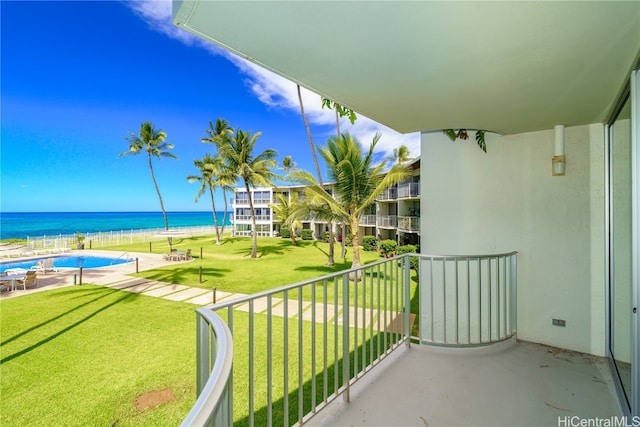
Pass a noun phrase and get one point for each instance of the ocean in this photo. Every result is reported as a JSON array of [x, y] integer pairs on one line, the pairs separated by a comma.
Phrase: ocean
[[20, 225]]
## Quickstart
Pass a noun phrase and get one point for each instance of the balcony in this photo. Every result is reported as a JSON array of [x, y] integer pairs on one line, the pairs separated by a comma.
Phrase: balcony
[[389, 194], [409, 190], [247, 218], [387, 221], [296, 349], [368, 220], [409, 224]]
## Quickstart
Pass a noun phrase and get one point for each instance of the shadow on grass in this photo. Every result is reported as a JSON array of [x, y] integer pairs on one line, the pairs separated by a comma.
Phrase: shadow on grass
[[371, 350], [265, 249], [108, 292], [184, 275]]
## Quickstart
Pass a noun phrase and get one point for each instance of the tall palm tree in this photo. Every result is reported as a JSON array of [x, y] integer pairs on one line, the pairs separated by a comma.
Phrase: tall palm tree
[[211, 177], [153, 142], [289, 212], [358, 182], [219, 134], [254, 170], [400, 154]]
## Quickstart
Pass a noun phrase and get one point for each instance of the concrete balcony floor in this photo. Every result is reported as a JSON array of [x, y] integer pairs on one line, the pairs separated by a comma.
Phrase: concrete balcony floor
[[507, 384]]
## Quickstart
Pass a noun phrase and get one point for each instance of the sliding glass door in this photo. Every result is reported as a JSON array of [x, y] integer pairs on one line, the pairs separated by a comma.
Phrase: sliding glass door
[[623, 251]]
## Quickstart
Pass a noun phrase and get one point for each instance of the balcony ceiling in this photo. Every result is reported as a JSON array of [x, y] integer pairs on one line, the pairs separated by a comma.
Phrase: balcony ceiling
[[508, 67]]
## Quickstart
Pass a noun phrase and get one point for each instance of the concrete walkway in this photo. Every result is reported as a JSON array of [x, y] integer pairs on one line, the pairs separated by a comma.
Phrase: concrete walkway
[[118, 277]]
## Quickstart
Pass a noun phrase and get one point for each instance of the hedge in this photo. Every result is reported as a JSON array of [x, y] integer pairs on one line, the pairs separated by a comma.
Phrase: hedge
[[369, 243]]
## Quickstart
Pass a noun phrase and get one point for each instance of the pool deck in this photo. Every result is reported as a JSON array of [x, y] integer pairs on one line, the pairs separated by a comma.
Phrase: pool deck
[[98, 276]]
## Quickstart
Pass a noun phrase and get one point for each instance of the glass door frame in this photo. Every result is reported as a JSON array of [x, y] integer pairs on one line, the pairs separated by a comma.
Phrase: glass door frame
[[632, 93]]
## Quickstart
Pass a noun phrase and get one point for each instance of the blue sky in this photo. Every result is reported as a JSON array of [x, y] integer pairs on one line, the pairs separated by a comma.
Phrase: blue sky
[[77, 76]]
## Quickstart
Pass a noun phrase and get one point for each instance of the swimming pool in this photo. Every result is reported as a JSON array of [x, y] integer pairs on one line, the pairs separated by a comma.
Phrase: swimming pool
[[67, 261]]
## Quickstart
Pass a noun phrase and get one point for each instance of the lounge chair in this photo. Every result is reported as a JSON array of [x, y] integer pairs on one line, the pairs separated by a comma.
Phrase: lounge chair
[[45, 266], [29, 279]]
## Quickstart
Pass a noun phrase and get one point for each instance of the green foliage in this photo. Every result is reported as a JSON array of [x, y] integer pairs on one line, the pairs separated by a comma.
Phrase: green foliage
[[285, 233], [406, 249], [388, 248], [414, 261], [14, 241], [463, 134], [369, 243], [325, 236], [307, 234], [348, 240]]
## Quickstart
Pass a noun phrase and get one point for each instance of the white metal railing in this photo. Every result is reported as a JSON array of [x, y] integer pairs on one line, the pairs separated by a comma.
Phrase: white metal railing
[[387, 221], [408, 190], [303, 345], [262, 201], [241, 202], [247, 233], [214, 361], [389, 194], [60, 242], [368, 220], [468, 300], [239, 218], [409, 223]]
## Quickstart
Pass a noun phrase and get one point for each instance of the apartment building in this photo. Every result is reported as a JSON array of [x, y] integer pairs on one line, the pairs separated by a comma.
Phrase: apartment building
[[395, 216]]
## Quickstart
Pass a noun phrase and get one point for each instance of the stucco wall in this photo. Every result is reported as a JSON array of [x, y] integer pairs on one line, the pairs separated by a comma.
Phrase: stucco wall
[[507, 200]]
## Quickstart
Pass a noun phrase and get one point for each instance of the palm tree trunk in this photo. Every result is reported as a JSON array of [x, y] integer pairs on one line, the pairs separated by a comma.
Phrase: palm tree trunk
[[254, 232], [226, 209], [344, 241], [331, 259], [215, 217], [355, 242], [164, 213], [292, 235], [313, 148]]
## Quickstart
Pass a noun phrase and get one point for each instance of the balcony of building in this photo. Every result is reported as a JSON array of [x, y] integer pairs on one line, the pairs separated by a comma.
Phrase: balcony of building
[[410, 224], [387, 221], [409, 190], [368, 220], [389, 194], [380, 345]]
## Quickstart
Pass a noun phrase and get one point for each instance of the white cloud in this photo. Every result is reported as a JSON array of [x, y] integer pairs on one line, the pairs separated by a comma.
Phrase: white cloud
[[273, 90]]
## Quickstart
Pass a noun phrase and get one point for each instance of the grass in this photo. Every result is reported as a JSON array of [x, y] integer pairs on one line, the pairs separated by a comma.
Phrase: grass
[[229, 268], [81, 355]]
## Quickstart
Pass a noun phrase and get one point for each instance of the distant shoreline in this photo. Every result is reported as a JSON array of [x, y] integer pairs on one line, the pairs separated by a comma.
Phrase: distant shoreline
[[23, 225]]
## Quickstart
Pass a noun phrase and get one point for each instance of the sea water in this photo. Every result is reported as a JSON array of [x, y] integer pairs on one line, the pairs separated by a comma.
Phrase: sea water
[[20, 225]]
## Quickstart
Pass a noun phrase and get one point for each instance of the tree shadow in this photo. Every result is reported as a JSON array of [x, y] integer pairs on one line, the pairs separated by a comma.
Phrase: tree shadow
[[184, 275]]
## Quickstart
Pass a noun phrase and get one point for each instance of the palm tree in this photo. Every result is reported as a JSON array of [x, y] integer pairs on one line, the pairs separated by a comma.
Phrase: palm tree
[[358, 182], [211, 177], [153, 142], [219, 134], [400, 154], [289, 212], [254, 170]]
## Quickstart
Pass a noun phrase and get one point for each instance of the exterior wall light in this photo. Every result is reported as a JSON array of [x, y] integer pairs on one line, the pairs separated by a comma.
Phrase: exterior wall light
[[558, 161]]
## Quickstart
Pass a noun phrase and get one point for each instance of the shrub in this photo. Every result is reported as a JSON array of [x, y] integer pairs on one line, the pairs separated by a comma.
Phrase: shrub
[[325, 236], [348, 239], [388, 248], [414, 261], [285, 233], [369, 243], [307, 234], [406, 249]]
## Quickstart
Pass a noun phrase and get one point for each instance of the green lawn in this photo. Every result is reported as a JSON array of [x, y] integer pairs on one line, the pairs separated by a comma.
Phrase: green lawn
[[81, 355], [229, 268]]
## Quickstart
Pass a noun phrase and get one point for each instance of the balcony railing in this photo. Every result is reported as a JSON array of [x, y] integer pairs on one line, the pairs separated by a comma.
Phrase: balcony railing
[[239, 218], [247, 233], [245, 202], [213, 383], [368, 220], [409, 190], [409, 223], [389, 194], [387, 221], [301, 346]]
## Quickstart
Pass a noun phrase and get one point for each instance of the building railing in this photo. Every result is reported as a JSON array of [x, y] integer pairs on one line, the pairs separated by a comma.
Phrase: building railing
[[261, 201], [368, 220], [301, 346], [242, 202], [387, 221], [409, 190], [409, 223], [214, 344], [245, 202], [468, 300], [247, 233], [389, 194]]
